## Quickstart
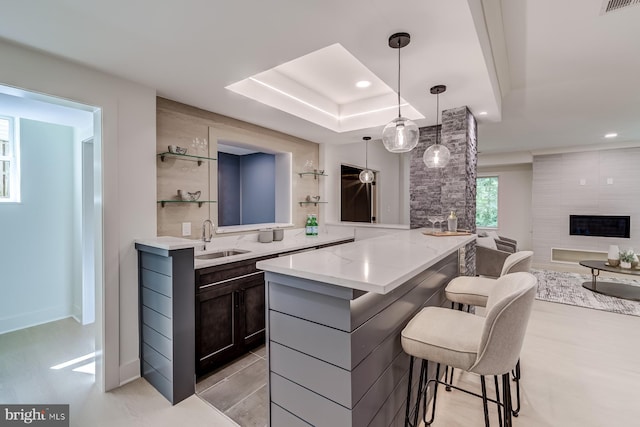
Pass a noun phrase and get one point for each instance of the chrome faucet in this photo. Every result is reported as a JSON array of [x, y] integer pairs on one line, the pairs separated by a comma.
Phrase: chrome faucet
[[207, 238]]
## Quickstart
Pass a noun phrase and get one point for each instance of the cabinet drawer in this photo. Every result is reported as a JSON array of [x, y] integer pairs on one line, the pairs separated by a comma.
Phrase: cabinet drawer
[[220, 273]]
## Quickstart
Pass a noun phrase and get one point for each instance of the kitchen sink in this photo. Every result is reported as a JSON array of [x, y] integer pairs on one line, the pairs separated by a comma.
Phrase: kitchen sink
[[221, 254]]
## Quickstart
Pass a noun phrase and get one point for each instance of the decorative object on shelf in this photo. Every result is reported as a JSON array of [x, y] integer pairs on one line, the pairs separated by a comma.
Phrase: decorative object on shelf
[[401, 134], [367, 176], [308, 166], [452, 222], [437, 155], [635, 262], [174, 149], [613, 256], [200, 145], [189, 196], [626, 258]]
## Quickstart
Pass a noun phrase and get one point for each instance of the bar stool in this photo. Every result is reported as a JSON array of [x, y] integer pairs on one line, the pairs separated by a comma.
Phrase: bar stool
[[483, 345], [475, 291]]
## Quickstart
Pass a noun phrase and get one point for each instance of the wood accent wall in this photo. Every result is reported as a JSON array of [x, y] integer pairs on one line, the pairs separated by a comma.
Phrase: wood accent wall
[[181, 125]]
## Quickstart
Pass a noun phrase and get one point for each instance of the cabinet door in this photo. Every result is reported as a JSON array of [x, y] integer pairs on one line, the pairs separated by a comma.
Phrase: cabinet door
[[217, 336], [253, 312]]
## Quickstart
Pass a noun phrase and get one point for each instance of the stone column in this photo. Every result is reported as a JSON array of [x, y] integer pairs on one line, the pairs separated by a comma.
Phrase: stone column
[[452, 187]]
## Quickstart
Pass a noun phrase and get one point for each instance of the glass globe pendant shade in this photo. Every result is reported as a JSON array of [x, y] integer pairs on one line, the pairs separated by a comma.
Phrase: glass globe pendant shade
[[436, 156], [367, 176], [400, 135]]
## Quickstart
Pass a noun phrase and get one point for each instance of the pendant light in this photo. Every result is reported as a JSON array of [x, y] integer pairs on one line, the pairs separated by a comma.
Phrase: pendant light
[[367, 175], [437, 155], [401, 134]]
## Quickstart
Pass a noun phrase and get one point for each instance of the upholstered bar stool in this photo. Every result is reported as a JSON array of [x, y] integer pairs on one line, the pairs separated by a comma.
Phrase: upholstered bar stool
[[475, 291], [487, 345]]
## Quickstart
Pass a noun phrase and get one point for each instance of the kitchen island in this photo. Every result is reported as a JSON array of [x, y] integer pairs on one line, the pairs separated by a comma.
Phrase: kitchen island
[[334, 321], [172, 284]]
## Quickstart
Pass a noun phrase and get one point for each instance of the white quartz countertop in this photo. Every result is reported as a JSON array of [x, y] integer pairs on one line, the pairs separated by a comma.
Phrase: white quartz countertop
[[294, 239], [377, 265]]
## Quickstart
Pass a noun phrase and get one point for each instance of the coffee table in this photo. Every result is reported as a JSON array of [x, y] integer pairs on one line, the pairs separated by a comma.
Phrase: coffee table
[[619, 290]]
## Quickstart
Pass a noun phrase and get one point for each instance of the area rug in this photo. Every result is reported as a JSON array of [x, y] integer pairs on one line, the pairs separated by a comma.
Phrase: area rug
[[566, 288]]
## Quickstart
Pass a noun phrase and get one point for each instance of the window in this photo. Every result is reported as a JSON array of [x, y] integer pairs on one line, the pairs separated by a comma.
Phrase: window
[[9, 177], [487, 202]]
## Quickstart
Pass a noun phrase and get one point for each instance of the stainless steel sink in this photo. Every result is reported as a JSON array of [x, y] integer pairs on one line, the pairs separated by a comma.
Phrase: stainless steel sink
[[221, 254]]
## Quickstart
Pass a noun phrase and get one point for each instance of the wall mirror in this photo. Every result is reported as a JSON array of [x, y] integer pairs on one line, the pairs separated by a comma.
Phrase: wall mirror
[[254, 187]]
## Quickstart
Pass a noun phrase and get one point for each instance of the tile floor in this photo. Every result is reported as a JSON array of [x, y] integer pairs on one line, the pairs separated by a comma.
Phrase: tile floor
[[239, 389]]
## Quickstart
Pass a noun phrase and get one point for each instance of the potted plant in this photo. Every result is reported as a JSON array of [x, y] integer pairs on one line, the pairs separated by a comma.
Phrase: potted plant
[[626, 258]]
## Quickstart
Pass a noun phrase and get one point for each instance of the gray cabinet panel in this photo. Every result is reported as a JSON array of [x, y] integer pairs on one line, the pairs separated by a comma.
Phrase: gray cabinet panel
[[158, 342], [157, 282], [327, 344], [157, 361], [305, 404], [325, 379], [157, 302], [333, 312], [163, 385], [157, 263], [157, 321], [282, 418]]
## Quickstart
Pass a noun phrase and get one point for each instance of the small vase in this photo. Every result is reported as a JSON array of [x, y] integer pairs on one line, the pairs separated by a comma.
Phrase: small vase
[[624, 264]]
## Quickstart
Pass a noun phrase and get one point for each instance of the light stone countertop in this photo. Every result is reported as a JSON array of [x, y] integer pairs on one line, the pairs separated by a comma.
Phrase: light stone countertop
[[377, 265], [294, 239]]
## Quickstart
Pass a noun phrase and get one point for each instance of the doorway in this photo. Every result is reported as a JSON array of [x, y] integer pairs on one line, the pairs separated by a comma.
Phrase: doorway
[[358, 201], [51, 263]]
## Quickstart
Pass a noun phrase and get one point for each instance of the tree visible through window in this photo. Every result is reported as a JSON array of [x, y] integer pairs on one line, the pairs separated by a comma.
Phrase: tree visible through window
[[487, 202], [8, 162]]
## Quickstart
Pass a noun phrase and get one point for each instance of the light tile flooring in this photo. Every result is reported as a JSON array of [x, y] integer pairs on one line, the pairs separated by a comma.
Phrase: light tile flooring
[[580, 367], [239, 389]]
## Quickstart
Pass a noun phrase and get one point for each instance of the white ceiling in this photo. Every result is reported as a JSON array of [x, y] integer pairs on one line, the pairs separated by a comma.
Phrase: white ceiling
[[556, 74]]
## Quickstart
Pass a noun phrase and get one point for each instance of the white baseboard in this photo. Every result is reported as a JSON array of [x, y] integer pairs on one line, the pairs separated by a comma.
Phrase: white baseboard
[[129, 371], [34, 318]]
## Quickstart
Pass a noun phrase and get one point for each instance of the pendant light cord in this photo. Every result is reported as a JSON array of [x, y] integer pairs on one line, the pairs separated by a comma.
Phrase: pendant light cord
[[437, 115], [366, 155], [399, 49]]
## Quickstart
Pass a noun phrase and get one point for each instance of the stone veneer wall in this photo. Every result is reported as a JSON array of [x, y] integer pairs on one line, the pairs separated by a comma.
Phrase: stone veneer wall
[[438, 191]]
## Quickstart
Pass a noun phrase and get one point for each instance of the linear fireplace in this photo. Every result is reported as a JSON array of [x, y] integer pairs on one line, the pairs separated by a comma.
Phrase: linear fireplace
[[600, 225]]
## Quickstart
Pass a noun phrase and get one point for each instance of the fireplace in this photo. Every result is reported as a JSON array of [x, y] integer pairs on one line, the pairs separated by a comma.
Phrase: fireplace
[[600, 225]]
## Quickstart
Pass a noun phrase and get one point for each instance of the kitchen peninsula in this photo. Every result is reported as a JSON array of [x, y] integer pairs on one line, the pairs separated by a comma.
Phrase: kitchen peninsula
[[334, 321], [191, 299]]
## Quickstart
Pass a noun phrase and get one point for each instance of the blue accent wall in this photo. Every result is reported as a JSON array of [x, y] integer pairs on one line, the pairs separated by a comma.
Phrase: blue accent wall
[[228, 189], [258, 188]]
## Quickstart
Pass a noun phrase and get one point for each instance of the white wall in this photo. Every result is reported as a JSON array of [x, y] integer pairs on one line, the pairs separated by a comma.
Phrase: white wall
[[578, 183], [391, 179], [514, 201], [127, 197], [36, 246]]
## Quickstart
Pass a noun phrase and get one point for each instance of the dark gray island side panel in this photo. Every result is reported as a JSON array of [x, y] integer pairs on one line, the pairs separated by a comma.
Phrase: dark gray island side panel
[[167, 319], [335, 356]]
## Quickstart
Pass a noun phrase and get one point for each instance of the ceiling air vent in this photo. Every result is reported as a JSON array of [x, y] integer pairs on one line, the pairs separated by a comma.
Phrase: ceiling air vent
[[614, 5]]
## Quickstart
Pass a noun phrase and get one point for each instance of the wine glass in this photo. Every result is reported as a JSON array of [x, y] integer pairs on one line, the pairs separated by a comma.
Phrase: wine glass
[[440, 219], [433, 219]]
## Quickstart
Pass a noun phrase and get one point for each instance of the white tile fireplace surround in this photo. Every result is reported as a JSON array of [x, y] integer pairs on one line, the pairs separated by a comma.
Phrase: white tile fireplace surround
[[582, 183]]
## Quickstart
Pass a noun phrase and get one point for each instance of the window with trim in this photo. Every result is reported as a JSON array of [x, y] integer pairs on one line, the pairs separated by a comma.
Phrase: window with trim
[[9, 175], [487, 202]]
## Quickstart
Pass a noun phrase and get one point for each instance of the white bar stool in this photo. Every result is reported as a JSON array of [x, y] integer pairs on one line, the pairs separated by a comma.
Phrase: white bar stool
[[483, 345]]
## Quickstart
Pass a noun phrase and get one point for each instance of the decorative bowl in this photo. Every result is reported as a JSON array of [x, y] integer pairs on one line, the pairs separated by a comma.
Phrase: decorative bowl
[[177, 150], [189, 196]]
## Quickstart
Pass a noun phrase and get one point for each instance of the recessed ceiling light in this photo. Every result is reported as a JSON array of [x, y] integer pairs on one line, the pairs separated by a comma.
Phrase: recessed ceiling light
[[482, 113], [363, 84], [611, 135]]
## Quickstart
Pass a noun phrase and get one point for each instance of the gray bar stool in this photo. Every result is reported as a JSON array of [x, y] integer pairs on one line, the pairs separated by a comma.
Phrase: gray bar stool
[[475, 291], [487, 345]]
